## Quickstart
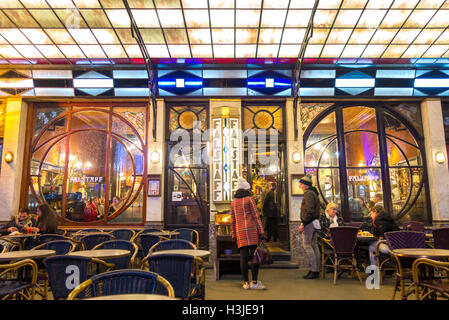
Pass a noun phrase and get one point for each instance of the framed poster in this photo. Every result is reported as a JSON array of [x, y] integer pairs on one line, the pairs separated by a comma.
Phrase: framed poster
[[296, 190], [154, 186]]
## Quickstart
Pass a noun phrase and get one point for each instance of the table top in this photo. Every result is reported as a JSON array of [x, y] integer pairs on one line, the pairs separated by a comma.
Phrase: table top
[[26, 254], [192, 252], [134, 296], [422, 253], [101, 253], [21, 235], [163, 233]]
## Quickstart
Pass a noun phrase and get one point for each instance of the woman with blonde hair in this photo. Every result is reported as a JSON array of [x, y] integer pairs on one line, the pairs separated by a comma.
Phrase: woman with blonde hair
[[329, 219]]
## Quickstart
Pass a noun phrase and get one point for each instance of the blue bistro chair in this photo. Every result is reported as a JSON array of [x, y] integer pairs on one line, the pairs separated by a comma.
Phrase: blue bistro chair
[[189, 235], [123, 234], [66, 272], [171, 244], [60, 246], [122, 262], [51, 237], [147, 241], [177, 269], [18, 280], [89, 241], [127, 281]]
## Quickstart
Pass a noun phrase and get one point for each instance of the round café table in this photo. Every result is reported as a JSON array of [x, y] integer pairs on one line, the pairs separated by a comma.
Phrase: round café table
[[25, 254], [421, 253], [101, 253], [193, 252], [134, 296], [163, 233]]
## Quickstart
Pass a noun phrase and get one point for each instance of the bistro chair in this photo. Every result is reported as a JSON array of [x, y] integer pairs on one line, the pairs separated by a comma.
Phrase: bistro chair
[[189, 235], [3, 248], [11, 245], [431, 279], [126, 281], [180, 271], [91, 240], [441, 238], [51, 237], [327, 255], [66, 272], [18, 280], [403, 275], [413, 226], [343, 241], [172, 244], [123, 262], [123, 234]]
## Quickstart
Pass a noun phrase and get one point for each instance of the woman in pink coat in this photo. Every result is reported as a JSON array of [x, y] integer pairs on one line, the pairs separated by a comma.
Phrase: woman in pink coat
[[247, 230]]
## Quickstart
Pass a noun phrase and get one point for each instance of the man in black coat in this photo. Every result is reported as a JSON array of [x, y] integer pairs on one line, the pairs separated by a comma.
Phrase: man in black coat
[[270, 210]]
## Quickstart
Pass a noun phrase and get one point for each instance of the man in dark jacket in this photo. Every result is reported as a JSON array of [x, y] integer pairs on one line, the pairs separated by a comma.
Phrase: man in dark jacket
[[19, 222], [270, 211], [310, 211]]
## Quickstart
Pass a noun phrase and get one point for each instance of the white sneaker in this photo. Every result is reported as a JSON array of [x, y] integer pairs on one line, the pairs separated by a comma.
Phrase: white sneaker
[[246, 285], [257, 286]]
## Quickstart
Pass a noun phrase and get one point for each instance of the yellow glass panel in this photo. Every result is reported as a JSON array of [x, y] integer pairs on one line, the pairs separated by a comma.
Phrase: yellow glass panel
[[435, 51], [10, 4], [361, 36], [339, 36], [196, 18], [223, 51], [324, 18], [5, 22], [167, 3], [247, 18], [95, 18], [270, 36], [267, 51], [71, 51], [443, 38], [133, 51], [125, 36], [8, 52], [354, 3], [50, 51], [371, 18], [93, 51], [158, 51], [415, 51], [152, 36], [36, 36], [83, 36], [14, 36], [405, 36], [245, 51], [34, 4], [289, 51], [430, 4], [222, 18], [221, 3], [394, 51], [379, 4], [60, 36], [119, 18], [87, 3], [419, 18], [176, 36], [46, 18], [114, 51], [293, 35], [106, 36], [373, 51], [179, 51], [403, 4], [246, 36], [145, 18], [71, 18], [384, 36], [428, 36], [199, 36], [440, 20], [249, 3], [171, 18], [141, 4], [28, 51], [223, 36], [21, 18], [275, 4], [273, 18], [352, 51], [329, 4], [112, 3], [61, 3], [194, 4], [395, 18], [201, 51], [318, 36], [298, 18], [347, 18], [332, 50], [262, 117]]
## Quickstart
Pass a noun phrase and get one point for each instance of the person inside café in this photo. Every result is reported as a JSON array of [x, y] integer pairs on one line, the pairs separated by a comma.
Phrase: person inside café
[[115, 205], [19, 222], [47, 221], [381, 222], [378, 199]]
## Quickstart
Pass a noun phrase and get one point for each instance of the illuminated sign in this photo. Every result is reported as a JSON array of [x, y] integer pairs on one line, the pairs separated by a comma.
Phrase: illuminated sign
[[86, 179]]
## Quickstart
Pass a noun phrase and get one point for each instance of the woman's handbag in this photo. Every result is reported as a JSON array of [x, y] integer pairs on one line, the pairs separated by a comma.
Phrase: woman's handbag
[[262, 255]]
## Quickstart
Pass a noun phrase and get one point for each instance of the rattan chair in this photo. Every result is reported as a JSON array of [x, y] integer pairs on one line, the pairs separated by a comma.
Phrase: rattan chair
[[189, 235], [126, 281], [344, 240], [3, 248], [123, 234], [441, 238], [413, 226], [431, 279], [89, 241], [123, 262], [18, 280], [327, 255], [181, 271], [66, 272], [51, 237], [403, 275], [171, 244]]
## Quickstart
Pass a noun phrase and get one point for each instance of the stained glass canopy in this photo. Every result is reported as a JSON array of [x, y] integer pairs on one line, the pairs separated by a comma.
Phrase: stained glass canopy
[[224, 31]]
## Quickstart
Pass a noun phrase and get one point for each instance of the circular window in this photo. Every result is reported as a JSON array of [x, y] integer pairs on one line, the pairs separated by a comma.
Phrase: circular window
[[263, 119]]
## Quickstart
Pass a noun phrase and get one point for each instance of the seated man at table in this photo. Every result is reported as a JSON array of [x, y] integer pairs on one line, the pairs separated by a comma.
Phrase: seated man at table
[[382, 222], [19, 222]]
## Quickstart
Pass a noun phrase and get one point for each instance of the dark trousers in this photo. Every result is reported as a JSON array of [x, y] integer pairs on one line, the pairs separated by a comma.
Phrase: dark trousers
[[272, 228], [246, 255]]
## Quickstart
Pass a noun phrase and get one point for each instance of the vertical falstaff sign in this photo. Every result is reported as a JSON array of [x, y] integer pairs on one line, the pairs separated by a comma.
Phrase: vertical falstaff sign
[[225, 157]]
